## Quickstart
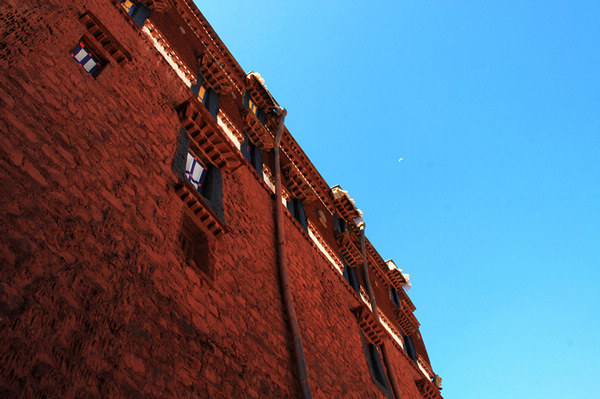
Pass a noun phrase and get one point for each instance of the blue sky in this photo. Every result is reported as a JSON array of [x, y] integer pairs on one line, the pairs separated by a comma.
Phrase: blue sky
[[494, 210]]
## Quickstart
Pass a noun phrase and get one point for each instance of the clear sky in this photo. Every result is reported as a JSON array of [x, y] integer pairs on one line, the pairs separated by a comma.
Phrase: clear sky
[[494, 209]]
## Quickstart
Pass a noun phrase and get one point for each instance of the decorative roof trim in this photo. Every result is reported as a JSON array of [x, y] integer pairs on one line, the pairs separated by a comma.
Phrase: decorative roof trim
[[213, 42], [293, 151], [427, 389]]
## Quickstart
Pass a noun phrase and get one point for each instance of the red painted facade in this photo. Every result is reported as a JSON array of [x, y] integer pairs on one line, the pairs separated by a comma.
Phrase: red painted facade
[[117, 278]]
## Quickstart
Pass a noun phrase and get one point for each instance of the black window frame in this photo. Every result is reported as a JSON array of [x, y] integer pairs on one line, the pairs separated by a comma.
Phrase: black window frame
[[339, 224], [139, 14], [296, 208], [376, 368], [351, 276], [210, 98], [409, 347], [211, 190], [252, 153], [394, 296], [92, 53], [260, 113]]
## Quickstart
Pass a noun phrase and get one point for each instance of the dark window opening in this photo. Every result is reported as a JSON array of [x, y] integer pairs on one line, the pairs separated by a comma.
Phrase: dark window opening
[[88, 58], [253, 154], [376, 369], [350, 276], [206, 95], [138, 12], [255, 109], [296, 208], [339, 224], [410, 348], [194, 245], [394, 296], [212, 191], [376, 366]]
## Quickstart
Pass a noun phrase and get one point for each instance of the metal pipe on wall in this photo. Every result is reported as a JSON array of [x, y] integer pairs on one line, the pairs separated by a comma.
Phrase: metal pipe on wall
[[365, 271], [288, 298]]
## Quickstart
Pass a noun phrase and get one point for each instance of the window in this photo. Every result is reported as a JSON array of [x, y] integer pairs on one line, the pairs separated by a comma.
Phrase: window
[[88, 59], [138, 12], [195, 245], [195, 171], [350, 276], [410, 349], [204, 177], [375, 364], [376, 367], [296, 208], [339, 224], [206, 95], [251, 105], [394, 296], [253, 154]]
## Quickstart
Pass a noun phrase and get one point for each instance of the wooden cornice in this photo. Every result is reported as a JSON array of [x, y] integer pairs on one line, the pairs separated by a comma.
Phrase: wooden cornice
[[370, 326], [297, 184], [349, 250], [259, 94], [215, 46], [396, 278], [213, 72], [427, 389], [406, 319], [207, 136], [204, 216], [258, 133], [106, 41], [346, 208], [159, 5]]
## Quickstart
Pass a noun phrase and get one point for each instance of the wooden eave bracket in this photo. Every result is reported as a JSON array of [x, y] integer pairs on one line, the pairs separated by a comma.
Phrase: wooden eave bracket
[[104, 39], [349, 250], [259, 94], [159, 5], [205, 133], [406, 299], [406, 319], [213, 71], [258, 133], [196, 21], [204, 216], [345, 208], [396, 278], [297, 184], [370, 326], [427, 389], [376, 266]]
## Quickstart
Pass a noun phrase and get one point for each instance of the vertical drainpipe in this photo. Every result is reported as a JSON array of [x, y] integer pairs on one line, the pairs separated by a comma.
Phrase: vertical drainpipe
[[365, 271], [284, 275]]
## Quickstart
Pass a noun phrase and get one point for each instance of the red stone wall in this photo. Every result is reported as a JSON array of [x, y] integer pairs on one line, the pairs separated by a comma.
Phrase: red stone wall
[[96, 298]]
